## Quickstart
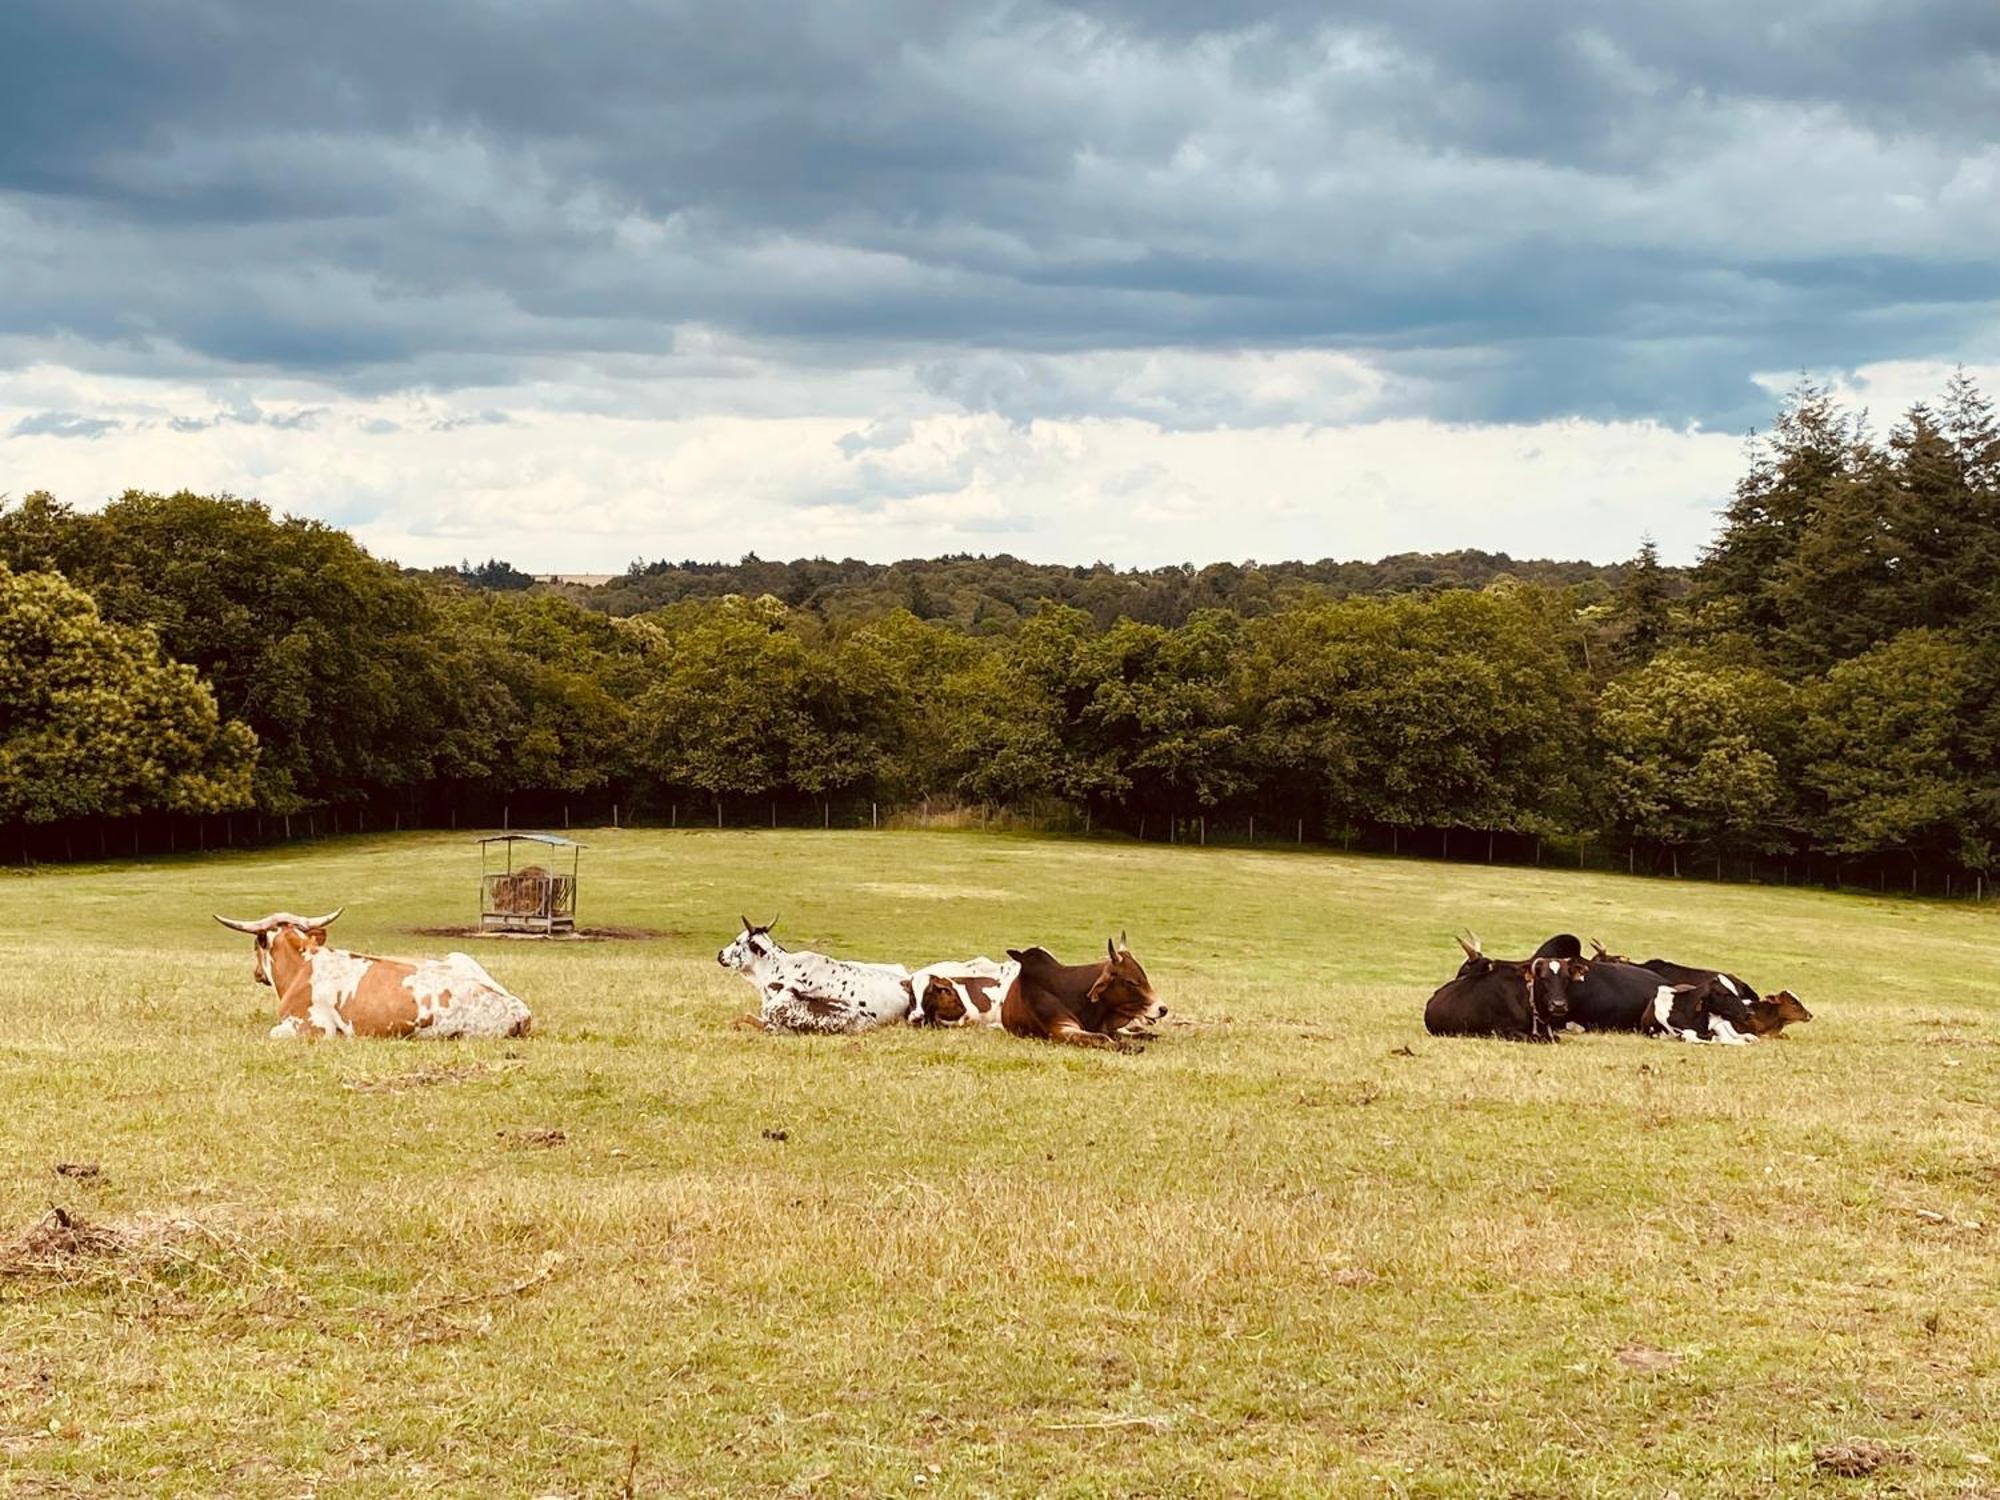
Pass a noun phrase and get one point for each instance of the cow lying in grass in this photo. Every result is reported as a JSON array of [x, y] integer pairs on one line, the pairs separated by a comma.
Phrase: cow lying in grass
[[1726, 1005], [964, 993], [330, 992], [1081, 1005], [1524, 1000], [812, 992]]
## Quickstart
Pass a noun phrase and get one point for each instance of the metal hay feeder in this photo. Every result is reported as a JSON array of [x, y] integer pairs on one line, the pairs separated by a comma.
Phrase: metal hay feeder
[[533, 898]]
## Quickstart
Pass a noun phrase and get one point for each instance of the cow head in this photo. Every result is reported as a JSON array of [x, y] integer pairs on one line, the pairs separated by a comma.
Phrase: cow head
[[940, 1004], [1549, 981], [751, 946], [1122, 992], [298, 934], [1772, 1014]]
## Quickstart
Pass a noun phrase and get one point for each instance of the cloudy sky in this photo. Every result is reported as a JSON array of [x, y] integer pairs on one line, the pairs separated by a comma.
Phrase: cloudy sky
[[578, 281]]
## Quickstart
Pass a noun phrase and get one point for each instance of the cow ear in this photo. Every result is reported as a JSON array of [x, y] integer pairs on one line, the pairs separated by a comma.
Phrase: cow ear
[[316, 934], [1015, 954]]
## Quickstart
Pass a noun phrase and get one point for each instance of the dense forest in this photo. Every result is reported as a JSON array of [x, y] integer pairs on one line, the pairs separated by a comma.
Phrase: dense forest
[[1818, 698], [993, 595]]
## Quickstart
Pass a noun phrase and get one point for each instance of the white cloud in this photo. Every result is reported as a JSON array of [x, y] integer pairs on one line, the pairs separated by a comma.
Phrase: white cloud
[[549, 479]]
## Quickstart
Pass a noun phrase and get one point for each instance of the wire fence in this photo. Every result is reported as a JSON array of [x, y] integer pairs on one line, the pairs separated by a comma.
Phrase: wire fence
[[154, 835]]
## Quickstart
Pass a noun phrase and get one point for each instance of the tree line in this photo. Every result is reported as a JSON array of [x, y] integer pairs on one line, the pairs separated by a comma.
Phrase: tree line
[[1820, 694]]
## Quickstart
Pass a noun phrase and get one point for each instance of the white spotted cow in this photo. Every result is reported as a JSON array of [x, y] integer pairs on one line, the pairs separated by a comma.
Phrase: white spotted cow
[[811, 992], [330, 992], [964, 993]]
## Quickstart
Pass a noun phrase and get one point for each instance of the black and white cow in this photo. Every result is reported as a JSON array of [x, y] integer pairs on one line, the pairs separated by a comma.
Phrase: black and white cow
[[1729, 1001], [811, 992], [1619, 996]]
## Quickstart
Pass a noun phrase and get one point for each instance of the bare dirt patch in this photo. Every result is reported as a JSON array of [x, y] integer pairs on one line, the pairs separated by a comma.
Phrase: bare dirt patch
[[1857, 1459], [580, 935], [63, 1245], [534, 1137]]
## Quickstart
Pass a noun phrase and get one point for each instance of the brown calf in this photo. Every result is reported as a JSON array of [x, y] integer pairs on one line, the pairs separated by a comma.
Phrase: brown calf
[[1771, 1014], [1084, 1005]]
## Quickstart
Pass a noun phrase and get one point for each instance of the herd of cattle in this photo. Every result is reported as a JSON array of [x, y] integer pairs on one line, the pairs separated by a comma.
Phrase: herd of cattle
[[1558, 989], [325, 991]]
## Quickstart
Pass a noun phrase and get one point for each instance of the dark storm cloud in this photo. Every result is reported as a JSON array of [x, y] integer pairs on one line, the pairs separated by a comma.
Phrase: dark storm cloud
[[1527, 206]]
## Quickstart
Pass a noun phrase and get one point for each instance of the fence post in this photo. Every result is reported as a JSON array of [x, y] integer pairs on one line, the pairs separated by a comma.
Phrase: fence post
[[774, 812], [874, 815], [718, 812], [1204, 830], [1302, 830], [1253, 828]]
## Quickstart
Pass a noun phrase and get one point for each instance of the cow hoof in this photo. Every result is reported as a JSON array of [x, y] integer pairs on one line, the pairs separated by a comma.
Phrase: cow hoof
[[749, 1023]]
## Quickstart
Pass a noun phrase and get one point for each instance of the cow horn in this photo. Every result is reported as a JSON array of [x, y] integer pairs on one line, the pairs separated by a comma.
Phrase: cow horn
[[279, 919], [1121, 939], [748, 925], [1469, 941], [1600, 953], [1111, 947]]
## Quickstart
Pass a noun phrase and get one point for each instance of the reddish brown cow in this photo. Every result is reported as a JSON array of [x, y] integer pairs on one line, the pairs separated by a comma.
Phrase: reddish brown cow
[[1083, 1005]]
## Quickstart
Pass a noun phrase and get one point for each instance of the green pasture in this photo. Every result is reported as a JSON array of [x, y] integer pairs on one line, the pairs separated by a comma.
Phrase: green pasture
[[1296, 1247]]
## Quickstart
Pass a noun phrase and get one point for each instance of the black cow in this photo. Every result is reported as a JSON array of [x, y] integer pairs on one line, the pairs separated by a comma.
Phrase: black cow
[[1525, 1002]]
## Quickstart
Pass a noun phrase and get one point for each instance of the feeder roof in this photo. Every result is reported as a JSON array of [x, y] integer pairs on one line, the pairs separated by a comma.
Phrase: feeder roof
[[553, 839]]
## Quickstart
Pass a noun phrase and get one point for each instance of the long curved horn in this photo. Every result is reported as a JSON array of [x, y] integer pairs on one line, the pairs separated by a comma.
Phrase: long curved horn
[[1469, 941], [1599, 954], [279, 919], [748, 925]]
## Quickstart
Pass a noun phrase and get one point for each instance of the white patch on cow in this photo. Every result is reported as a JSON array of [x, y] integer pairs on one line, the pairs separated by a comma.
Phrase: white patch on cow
[[334, 975], [456, 997], [1572, 1026], [1721, 1031], [1663, 1007], [1729, 985], [287, 1029]]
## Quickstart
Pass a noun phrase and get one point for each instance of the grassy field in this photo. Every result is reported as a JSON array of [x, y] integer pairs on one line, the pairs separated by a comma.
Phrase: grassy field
[[1296, 1247]]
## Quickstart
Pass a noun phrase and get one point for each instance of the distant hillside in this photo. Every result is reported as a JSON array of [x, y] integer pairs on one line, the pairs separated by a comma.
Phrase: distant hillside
[[992, 594]]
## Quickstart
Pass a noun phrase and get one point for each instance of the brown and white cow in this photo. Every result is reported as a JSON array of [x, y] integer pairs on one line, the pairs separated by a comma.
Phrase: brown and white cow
[[330, 992], [966, 992], [1083, 1005]]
